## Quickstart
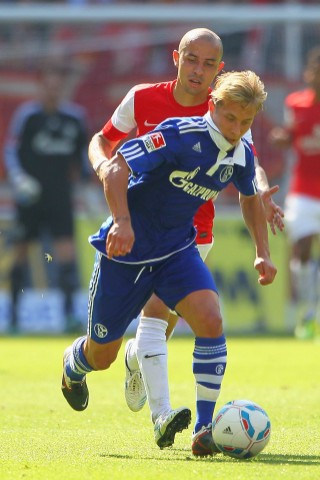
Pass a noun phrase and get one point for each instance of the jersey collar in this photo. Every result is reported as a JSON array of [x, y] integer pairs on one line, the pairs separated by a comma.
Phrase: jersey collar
[[224, 146]]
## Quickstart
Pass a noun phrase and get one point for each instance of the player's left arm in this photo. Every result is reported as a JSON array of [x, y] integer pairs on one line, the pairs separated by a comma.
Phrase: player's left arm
[[274, 213], [255, 218]]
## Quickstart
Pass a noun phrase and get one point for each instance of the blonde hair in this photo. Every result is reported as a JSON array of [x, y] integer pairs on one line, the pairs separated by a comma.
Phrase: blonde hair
[[243, 87]]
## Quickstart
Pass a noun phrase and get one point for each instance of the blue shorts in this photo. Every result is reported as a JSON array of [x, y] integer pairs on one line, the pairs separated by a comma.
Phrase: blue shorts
[[119, 291]]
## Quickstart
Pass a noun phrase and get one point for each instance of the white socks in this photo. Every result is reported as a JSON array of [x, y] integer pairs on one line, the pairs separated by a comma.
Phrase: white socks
[[150, 350]]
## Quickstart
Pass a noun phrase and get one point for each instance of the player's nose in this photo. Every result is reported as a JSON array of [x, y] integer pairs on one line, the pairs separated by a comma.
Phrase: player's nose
[[198, 69]]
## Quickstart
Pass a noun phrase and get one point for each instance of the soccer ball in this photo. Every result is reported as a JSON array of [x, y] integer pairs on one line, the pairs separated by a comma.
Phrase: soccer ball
[[241, 429]]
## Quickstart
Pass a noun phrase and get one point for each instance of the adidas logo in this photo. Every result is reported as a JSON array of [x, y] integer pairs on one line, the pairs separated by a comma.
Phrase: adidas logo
[[228, 430], [197, 147]]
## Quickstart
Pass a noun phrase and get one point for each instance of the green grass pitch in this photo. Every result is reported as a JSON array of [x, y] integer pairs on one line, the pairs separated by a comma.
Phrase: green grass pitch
[[42, 438]]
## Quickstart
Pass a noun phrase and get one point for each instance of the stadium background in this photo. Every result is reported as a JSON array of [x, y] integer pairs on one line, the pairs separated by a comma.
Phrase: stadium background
[[110, 48]]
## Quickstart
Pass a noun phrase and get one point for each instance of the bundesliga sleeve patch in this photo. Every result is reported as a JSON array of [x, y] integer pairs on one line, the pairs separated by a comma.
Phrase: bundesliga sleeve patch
[[154, 141]]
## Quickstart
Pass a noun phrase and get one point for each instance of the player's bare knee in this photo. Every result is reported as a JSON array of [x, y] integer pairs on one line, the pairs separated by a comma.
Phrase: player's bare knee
[[215, 326], [155, 308], [101, 362], [210, 325], [100, 359]]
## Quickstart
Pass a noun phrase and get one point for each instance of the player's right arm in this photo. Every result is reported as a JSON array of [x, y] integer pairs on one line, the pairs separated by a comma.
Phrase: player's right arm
[[114, 177], [100, 151], [121, 123]]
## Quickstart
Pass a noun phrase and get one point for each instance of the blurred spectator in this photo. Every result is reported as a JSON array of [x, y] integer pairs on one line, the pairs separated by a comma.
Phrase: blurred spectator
[[45, 150], [302, 133]]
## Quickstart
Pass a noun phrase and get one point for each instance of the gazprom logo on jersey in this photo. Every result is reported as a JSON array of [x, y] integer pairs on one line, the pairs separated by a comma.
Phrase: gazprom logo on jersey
[[181, 179], [154, 141], [226, 173], [100, 330]]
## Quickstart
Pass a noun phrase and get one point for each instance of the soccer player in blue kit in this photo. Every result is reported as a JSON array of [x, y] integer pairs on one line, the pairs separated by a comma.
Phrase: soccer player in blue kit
[[153, 186]]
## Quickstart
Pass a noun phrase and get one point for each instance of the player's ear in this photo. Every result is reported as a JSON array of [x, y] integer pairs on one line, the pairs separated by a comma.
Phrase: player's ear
[[221, 65], [210, 105], [175, 56]]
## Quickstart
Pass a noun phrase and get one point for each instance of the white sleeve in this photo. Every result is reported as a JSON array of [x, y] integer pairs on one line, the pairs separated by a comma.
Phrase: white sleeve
[[123, 116]]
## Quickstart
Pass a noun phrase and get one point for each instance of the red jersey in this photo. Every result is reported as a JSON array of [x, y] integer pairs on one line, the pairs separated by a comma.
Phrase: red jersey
[[143, 108], [304, 123]]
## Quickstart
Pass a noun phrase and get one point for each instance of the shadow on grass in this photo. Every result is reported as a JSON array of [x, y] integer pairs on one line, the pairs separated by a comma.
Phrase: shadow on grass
[[269, 459], [262, 458], [290, 459]]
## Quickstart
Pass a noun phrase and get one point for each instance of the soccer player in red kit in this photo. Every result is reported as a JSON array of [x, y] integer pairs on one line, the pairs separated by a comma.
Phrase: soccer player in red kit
[[198, 61], [302, 206]]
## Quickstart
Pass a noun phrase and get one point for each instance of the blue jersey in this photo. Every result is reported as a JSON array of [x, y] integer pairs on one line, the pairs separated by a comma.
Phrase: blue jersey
[[175, 168]]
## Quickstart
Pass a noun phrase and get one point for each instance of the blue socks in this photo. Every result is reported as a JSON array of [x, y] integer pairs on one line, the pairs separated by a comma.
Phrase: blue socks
[[77, 367], [209, 364]]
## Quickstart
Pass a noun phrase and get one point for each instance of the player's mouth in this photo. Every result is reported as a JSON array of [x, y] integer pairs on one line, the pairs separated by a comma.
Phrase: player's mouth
[[195, 82]]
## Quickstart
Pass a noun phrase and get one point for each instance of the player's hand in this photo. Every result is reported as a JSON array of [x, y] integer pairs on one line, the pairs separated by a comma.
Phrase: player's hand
[[26, 189], [279, 137], [267, 271], [274, 213], [120, 238]]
